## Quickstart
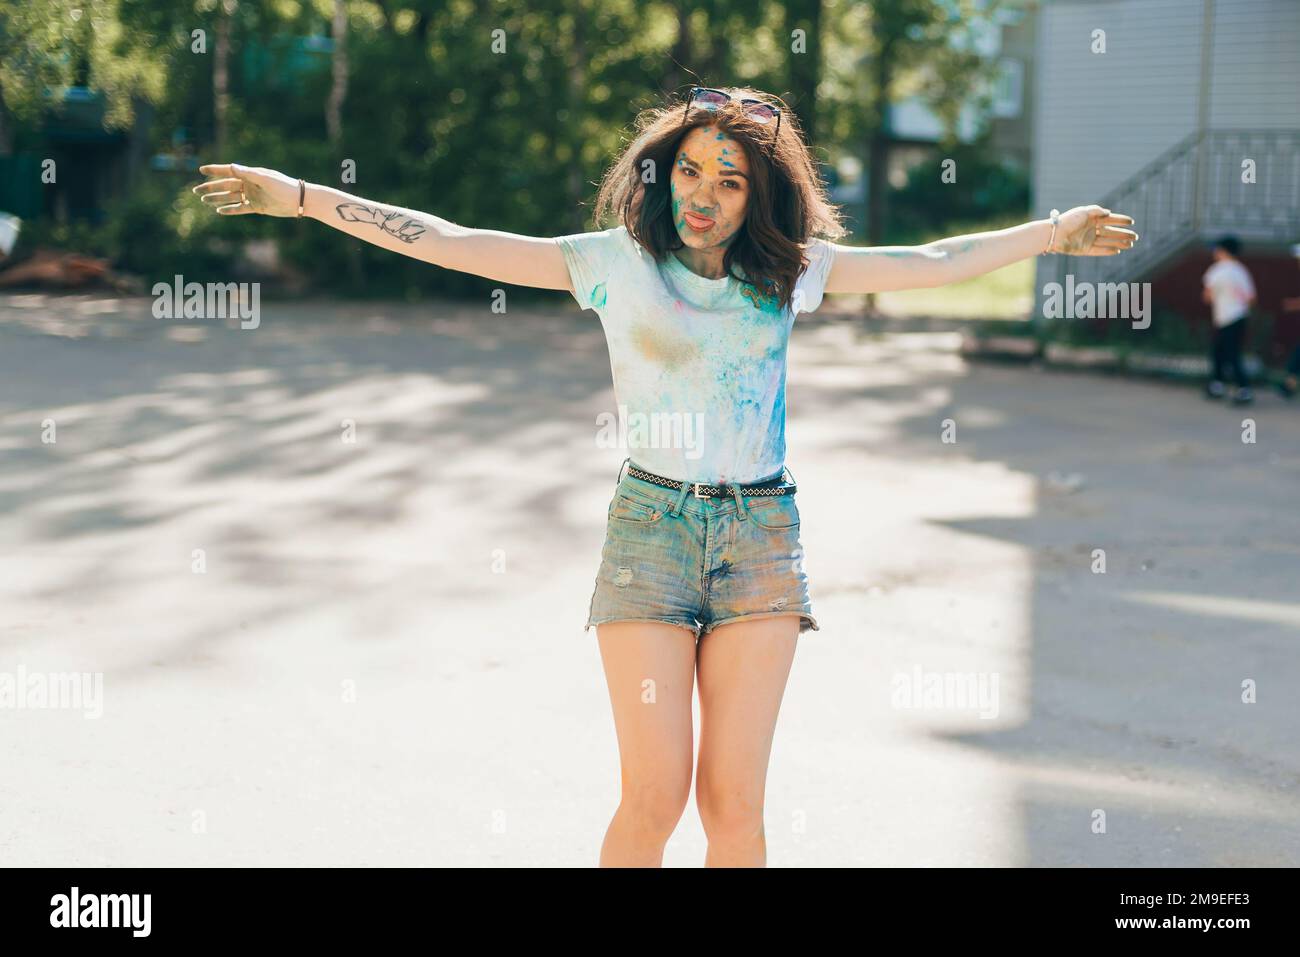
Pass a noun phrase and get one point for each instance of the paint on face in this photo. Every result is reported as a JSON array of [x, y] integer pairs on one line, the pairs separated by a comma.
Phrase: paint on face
[[710, 189]]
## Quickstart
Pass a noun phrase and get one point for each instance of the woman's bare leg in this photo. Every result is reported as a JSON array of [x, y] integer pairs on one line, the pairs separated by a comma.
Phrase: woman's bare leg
[[742, 673], [650, 669]]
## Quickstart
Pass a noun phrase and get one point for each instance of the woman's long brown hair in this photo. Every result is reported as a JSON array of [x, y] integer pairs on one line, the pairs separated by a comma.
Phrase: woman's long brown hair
[[787, 201]]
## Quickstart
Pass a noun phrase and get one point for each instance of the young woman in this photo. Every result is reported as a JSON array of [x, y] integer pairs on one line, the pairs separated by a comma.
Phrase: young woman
[[722, 238]]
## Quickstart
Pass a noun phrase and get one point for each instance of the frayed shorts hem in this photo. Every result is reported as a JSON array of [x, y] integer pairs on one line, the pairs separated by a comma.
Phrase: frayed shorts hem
[[806, 621], [691, 626]]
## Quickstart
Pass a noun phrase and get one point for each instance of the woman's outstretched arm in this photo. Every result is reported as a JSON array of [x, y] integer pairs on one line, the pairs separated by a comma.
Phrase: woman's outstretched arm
[[1082, 231], [504, 257]]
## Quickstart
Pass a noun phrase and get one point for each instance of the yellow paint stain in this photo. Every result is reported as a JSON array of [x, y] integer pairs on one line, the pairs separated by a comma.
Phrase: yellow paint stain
[[661, 349]]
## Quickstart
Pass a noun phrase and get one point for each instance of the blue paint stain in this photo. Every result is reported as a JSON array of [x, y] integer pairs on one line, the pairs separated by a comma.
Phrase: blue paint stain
[[763, 303], [599, 296]]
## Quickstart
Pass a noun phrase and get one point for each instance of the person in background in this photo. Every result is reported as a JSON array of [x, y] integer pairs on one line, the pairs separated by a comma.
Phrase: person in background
[[1292, 378], [1230, 292], [10, 226]]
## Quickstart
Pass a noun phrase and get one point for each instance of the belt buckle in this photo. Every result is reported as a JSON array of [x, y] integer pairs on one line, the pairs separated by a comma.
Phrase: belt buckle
[[695, 490]]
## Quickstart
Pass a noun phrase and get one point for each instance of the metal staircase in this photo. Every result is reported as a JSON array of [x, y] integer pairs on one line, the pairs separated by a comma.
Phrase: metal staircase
[[1193, 192]]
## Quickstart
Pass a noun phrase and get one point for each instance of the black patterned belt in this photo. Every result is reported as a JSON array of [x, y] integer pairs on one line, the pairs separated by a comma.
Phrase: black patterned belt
[[711, 491]]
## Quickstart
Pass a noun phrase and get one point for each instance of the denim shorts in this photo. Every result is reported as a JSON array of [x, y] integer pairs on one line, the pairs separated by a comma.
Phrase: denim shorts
[[699, 562]]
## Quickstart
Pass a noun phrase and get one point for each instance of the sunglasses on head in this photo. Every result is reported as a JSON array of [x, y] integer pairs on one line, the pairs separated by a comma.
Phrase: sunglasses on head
[[710, 99]]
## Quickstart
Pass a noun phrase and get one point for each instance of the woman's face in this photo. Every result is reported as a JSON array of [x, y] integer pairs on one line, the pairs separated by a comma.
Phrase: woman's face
[[710, 188]]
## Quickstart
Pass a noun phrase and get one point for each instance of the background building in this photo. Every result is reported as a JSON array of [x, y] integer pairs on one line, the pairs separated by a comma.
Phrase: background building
[[1187, 98]]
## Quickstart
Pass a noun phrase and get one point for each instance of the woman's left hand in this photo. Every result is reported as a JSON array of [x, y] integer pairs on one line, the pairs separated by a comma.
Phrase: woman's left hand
[[1093, 231]]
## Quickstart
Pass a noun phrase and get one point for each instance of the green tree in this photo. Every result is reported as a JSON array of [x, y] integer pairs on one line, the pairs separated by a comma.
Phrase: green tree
[[891, 48], [48, 44]]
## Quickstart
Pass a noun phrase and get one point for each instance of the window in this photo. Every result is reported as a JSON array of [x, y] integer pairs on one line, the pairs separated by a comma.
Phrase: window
[[1009, 89]]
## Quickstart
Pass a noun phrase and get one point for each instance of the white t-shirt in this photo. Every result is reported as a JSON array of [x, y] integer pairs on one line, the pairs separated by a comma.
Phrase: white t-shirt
[[698, 364], [1230, 288]]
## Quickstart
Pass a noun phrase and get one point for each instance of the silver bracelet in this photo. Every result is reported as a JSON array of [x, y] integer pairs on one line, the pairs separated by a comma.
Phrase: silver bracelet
[[1056, 219]]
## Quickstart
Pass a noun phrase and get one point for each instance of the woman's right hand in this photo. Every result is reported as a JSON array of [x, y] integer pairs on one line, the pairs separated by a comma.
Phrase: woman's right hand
[[237, 190], [506, 257]]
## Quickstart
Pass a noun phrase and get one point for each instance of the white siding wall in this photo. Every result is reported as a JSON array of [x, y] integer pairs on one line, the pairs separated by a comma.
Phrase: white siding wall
[[1102, 117], [1255, 78]]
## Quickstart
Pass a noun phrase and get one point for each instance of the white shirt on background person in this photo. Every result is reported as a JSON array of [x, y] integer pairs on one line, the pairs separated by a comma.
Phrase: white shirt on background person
[[1231, 290]]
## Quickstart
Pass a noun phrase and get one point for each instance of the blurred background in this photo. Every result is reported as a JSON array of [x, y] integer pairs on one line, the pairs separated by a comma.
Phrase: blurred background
[[323, 650], [129, 96], [429, 108], [434, 116]]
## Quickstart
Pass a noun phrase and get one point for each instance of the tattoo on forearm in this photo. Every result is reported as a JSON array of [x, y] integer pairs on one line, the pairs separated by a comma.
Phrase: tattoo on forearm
[[398, 224]]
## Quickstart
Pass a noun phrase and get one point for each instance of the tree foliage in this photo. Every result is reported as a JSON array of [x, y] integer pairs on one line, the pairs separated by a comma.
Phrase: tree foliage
[[493, 113]]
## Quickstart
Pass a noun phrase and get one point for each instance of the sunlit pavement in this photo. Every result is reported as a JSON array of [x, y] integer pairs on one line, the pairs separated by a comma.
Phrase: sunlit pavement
[[378, 656]]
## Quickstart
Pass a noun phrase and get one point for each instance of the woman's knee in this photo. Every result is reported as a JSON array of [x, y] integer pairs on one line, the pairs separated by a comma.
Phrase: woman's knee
[[729, 815], [654, 807]]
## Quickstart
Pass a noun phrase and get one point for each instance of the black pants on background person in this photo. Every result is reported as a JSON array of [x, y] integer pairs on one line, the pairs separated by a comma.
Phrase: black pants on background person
[[1291, 380], [1225, 354]]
